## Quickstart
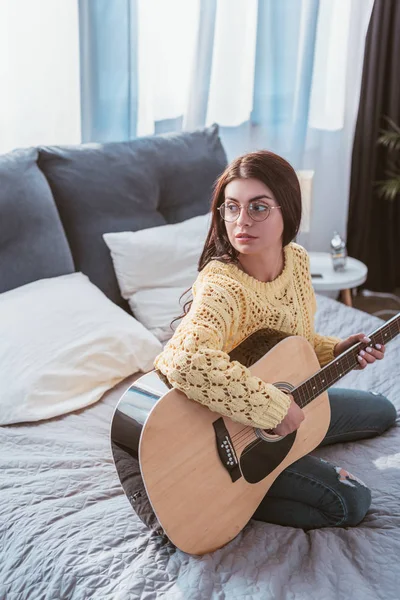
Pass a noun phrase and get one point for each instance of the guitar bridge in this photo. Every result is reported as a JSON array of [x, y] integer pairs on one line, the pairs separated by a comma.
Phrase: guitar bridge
[[226, 451]]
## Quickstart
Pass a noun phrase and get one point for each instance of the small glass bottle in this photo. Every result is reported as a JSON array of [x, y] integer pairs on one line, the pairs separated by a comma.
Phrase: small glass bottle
[[338, 252]]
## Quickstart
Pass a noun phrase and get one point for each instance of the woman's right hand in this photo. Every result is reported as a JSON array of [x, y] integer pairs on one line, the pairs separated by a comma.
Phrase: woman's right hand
[[292, 421]]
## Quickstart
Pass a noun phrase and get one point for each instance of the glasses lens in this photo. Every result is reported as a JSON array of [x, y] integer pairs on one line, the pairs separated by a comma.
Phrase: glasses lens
[[259, 211], [230, 211]]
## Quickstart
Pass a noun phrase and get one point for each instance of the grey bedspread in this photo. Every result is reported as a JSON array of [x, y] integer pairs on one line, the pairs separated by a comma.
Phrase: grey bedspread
[[67, 530]]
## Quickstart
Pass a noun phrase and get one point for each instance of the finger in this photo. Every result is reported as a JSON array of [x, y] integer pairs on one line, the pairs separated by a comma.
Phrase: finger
[[361, 336], [378, 354], [352, 340], [357, 337], [362, 362], [367, 356], [380, 347]]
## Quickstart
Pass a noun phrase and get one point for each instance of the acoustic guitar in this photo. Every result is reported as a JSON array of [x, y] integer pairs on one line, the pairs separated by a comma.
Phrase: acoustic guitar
[[200, 476]]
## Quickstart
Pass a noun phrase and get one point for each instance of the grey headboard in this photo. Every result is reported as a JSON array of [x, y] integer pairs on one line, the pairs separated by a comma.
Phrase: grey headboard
[[33, 244], [56, 202], [127, 186]]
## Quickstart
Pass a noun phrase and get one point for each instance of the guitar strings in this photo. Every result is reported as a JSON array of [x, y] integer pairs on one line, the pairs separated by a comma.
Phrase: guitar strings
[[348, 362], [241, 433], [245, 440]]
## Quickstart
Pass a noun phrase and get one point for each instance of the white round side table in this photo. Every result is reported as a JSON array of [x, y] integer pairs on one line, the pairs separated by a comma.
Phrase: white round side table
[[325, 278]]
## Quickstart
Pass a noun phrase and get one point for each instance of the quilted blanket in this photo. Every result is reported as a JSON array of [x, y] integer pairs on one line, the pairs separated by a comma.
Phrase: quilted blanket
[[67, 530]]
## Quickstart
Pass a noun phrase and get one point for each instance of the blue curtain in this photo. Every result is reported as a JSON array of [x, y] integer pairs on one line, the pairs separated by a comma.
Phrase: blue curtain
[[286, 35], [108, 55]]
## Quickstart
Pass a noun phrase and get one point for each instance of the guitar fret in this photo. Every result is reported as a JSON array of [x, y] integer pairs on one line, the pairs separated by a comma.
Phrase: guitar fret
[[299, 398]]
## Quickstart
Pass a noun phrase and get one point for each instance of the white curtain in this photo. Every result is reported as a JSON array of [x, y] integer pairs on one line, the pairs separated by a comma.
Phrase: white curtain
[[232, 76], [330, 136], [39, 73], [168, 46], [198, 62], [170, 37], [166, 43], [332, 49]]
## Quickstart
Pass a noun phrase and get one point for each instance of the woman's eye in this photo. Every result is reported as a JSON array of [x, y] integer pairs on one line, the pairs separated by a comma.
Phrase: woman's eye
[[232, 207], [258, 207]]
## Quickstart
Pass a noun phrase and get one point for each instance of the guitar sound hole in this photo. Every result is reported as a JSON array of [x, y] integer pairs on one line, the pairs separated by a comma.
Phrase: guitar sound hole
[[271, 433], [268, 435]]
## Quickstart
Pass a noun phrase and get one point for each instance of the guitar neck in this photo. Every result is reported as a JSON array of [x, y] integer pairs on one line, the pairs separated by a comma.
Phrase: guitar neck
[[343, 364]]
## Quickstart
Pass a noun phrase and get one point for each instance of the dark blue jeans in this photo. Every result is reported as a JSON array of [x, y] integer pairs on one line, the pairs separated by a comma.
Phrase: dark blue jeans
[[314, 493]]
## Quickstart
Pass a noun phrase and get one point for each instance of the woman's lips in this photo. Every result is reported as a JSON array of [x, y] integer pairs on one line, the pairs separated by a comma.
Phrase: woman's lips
[[246, 239]]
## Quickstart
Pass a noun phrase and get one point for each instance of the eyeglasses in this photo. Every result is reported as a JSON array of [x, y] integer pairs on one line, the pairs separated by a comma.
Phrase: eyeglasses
[[257, 211]]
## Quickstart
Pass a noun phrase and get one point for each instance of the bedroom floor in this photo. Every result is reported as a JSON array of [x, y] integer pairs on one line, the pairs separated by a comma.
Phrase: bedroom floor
[[380, 305]]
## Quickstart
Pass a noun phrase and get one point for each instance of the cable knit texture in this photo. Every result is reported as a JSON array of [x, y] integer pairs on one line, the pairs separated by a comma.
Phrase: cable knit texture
[[229, 306]]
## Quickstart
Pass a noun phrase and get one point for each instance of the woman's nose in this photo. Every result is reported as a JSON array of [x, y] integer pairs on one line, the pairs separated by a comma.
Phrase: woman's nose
[[243, 218]]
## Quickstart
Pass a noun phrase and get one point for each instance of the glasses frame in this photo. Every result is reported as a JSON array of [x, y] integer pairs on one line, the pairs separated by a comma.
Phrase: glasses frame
[[247, 210]]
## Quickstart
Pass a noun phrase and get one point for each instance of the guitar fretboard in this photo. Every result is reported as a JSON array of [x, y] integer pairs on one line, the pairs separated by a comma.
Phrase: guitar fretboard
[[343, 364]]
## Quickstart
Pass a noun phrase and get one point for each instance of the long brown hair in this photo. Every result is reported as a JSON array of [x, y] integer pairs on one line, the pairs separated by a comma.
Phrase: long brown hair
[[277, 174]]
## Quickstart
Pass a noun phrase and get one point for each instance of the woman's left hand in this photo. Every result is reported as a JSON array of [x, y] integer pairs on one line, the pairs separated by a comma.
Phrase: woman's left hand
[[365, 357]]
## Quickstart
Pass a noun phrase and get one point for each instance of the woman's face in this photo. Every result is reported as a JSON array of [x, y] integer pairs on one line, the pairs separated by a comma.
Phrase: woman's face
[[266, 234]]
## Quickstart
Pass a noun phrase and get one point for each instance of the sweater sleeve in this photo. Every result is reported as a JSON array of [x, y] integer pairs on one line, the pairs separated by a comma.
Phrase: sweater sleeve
[[194, 361], [323, 344]]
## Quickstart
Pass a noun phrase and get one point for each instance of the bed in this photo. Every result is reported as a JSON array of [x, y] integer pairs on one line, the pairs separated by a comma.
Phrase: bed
[[68, 531]]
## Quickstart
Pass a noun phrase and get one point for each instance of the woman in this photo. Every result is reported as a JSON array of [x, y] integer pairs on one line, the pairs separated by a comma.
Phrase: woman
[[252, 276]]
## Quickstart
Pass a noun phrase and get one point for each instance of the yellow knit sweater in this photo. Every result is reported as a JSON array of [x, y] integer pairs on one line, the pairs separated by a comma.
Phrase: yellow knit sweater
[[228, 306]]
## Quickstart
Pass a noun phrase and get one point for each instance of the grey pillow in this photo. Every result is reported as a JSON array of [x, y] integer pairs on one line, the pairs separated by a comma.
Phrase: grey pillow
[[32, 239], [126, 186]]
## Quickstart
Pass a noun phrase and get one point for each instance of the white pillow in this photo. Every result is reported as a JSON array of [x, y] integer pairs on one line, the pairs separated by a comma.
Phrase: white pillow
[[62, 345], [155, 266], [156, 308]]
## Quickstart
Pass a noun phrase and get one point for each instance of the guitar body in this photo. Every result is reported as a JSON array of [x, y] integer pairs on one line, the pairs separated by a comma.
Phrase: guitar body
[[206, 475]]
